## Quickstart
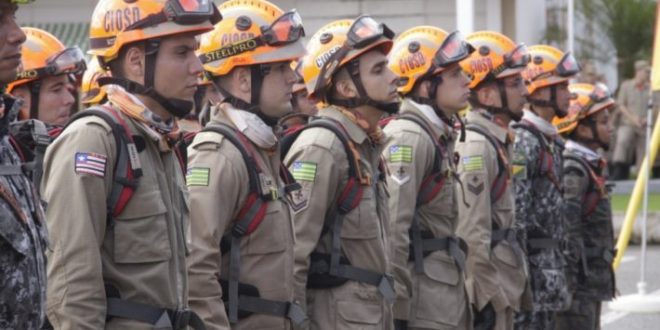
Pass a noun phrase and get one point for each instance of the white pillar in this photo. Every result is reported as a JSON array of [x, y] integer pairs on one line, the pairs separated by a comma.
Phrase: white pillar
[[569, 25], [494, 15], [465, 16]]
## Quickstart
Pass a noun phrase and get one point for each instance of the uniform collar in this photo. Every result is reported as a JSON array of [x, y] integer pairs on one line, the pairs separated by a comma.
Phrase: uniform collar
[[588, 154], [541, 124], [487, 120], [355, 132], [133, 107], [428, 113], [247, 123]]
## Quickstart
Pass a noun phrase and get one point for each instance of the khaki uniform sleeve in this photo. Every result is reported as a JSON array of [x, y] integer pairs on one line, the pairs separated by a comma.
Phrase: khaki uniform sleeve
[[475, 220], [403, 183], [76, 214], [213, 206], [320, 191]]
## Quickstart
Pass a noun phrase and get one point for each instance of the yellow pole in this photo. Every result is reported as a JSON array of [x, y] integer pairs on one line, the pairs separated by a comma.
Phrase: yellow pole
[[636, 197]]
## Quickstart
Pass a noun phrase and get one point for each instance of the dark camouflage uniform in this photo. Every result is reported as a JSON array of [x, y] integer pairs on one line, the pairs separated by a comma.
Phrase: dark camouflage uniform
[[591, 238], [540, 224], [22, 241]]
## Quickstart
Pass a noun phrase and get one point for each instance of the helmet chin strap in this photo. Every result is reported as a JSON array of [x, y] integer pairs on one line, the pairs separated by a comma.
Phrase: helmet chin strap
[[504, 109], [35, 89], [595, 139], [430, 101], [552, 103], [177, 107], [257, 74], [363, 98]]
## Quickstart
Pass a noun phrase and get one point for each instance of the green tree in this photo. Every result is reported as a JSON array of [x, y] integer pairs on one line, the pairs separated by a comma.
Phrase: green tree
[[627, 24]]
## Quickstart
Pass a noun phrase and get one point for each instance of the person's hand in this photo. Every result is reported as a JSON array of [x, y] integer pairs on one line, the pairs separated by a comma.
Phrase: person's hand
[[640, 122]]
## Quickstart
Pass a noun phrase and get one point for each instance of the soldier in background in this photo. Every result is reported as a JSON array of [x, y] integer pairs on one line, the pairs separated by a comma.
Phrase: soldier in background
[[427, 258], [537, 177], [588, 208], [495, 267], [23, 237]]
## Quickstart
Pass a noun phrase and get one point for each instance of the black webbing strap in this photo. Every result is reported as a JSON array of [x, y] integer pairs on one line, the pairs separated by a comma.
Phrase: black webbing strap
[[423, 243], [509, 235], [383, 282], [160, 318]]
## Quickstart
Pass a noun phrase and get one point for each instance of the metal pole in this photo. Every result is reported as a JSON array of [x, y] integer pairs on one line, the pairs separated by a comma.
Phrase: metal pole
[[641, 286], [465, 16], [569, 26]]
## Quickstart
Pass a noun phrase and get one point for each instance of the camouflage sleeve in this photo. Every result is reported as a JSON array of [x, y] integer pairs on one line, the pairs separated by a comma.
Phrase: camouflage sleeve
[[525, 158], [575, 181]]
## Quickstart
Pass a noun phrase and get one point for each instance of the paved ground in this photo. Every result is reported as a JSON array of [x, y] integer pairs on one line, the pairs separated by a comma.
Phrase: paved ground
[[627, 279]]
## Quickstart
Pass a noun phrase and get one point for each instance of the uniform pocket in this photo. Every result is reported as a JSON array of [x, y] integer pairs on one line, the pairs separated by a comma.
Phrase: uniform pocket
[[359, 315], [269, 237], [140, 231], [504, 253], [439, 297], [362, 222]]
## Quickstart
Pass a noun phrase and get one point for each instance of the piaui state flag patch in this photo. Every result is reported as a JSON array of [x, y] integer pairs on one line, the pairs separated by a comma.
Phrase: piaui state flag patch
[[303, 171], [90, 163], [197, 176], [401, 154]]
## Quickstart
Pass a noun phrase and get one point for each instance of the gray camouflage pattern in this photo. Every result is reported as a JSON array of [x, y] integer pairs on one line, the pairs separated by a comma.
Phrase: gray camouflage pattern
[[591, 235], [22, 245], [540, 215]]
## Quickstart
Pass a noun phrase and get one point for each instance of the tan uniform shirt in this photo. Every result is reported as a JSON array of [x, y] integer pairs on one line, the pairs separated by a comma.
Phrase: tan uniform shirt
[[266, 254], [141, 253], [496, 275], [636, 99], [318, 161], [437, 298]]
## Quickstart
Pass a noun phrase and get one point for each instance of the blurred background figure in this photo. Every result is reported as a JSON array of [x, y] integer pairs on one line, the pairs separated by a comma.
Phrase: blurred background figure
[[633, 100]]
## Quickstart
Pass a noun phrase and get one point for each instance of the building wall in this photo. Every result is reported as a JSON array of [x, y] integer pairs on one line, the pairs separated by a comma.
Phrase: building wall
[[398, 14]]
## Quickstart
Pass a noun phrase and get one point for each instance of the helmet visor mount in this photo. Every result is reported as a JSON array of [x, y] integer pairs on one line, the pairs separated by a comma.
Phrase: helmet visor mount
[[285, 30], [68, 61], [453, 49], [182, 12]]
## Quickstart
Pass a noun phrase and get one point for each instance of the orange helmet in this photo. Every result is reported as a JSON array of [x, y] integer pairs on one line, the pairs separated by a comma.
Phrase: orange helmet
[[43, 55], [425, 51], [116, 23], [548, 66], [92, 92], [588, 100], [251, 32], [496, 57], [336, 44]]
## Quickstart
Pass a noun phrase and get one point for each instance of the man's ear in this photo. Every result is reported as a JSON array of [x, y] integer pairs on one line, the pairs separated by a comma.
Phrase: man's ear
[[133, 64], [242, 78], [344, 86]]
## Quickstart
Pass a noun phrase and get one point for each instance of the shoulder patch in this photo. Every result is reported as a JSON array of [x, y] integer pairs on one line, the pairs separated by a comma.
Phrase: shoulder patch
[[197, 176], [473, 163], [303, 171], [90, 163], [400, 153]]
